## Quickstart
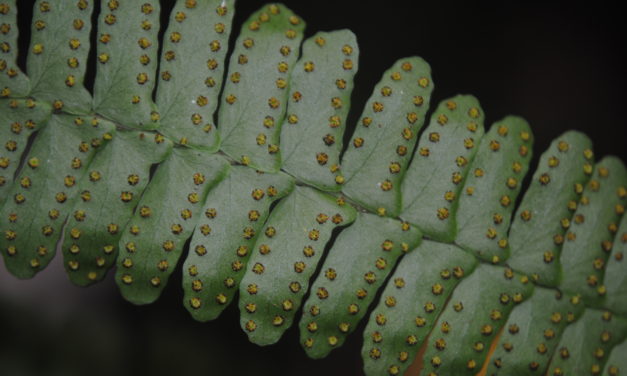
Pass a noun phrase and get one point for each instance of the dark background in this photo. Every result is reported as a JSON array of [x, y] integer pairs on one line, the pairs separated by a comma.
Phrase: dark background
[[559, 66]]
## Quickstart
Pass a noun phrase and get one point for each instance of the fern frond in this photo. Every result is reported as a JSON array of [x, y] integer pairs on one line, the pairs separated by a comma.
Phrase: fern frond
[[44, 190], [246, 170]]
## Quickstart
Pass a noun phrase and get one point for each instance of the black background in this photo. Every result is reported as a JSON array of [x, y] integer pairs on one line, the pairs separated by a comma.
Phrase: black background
[[559, 65]]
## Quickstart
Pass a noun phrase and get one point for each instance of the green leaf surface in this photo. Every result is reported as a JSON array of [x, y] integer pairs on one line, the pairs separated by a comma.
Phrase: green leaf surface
[[376, 160], [615, 279], [435, 177], [231, 220], [358, 263], [255, 95], [617, 361], [284, 258], [110, 192], [491, 188], [585, 345], [410, 304], [153, 239], [191, 70], [19, 119], [477, 310], [533, 332], [57, 58], [127, 62], [589, 238], [13, 82], [539, 226], [320, 90], [42, 195]]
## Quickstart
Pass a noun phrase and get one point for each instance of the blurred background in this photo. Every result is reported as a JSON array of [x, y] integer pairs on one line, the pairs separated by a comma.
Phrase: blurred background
[[559, 65]]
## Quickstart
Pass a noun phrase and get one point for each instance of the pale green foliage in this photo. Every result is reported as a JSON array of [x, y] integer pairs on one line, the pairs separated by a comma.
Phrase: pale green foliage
[[394, 345], [153, 239], [116, 179], [492, 186], [225, 235], [44, 189], [57, 58], [127, 63], [255, 95], [543, 217], [20, 119], [284, 258], [377, 157], [311, 150], [357, 266], [532, 331], [264, 234], [12, 81], [190, 79], [435, 178]]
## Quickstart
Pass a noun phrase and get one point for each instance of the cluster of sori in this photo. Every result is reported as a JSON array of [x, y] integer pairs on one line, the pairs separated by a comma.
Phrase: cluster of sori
[[418, 228]]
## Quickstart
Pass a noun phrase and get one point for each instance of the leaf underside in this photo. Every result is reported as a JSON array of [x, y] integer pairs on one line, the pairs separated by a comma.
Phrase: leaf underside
[[20, 118], [230, 222], [320, 90], [75, 175], [615, 279], [532, 333], [616, 361], [491, 188], [44, 189], [586, 344], [409, 307], [127, 62], [434, 179], [13, 82], [377, 157], [153, 239], [592, 229], [256, 92], [284, 258], [539, 226], [359, 262], [191, 70], [109, 193], [477, 310], [57, 58]]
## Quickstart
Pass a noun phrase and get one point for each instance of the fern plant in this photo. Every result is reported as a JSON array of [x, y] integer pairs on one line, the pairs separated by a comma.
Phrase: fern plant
[[413, 230]]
